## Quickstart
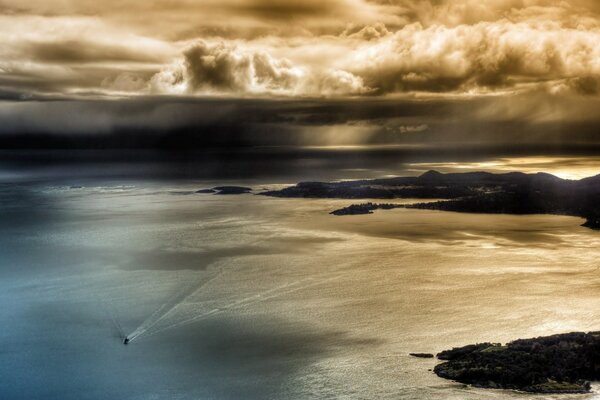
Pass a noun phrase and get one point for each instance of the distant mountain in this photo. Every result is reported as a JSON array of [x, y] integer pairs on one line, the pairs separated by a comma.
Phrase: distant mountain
[[475, 192]]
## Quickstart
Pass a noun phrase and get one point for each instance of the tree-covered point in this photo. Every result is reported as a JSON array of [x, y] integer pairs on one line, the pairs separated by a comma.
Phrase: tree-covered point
[[563, 363]]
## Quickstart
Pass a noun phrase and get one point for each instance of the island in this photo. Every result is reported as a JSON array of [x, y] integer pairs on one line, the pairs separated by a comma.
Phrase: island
[[365, 208], [225, 190], [564, 363], [473, 192], [421, 355]]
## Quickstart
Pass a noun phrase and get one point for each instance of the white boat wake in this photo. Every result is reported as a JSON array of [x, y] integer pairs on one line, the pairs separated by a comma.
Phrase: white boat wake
[[116, 325], [168, 307], [251, 300], [148, 327]]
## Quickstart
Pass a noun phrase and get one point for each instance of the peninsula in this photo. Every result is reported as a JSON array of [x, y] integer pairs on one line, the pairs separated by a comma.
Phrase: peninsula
[[564, 363], [473, 192]]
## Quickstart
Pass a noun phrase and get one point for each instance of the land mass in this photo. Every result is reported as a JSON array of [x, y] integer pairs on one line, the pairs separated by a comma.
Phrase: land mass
[[365, 208], [421, 355], [225, 190], [563, 363], [474, 192]]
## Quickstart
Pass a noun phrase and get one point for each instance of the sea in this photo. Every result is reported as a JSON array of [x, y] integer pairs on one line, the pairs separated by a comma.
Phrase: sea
[[252, 297]]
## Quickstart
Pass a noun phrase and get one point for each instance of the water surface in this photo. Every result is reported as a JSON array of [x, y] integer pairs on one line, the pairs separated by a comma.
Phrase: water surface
[[255, 297]]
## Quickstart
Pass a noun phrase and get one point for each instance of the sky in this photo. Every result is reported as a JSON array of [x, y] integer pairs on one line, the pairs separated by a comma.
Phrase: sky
[[337, 72]]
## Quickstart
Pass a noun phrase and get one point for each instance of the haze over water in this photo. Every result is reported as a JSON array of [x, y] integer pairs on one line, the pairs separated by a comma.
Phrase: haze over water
[[261, 297]]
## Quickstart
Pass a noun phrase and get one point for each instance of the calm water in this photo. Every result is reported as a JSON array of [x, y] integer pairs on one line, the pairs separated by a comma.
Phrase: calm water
[[252, 297]]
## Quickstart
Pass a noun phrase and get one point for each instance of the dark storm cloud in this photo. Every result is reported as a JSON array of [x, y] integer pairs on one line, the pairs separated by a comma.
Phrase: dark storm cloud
[[159, 122]]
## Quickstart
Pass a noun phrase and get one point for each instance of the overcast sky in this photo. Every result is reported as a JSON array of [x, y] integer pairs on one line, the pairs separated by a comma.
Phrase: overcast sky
[[441, 68]]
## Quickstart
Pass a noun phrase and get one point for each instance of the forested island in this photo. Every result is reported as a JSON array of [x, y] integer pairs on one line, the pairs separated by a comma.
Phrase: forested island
[[563, 363], [474, 192]]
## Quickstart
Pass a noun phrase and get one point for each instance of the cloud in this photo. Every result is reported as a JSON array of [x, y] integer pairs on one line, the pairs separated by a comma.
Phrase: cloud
[[264, 72], [125, 82], [221, 68], [304, 48], [584, 85], [80, 51], [231, 69], [413, 128], [173, 18], [452, 13], [479, 57]]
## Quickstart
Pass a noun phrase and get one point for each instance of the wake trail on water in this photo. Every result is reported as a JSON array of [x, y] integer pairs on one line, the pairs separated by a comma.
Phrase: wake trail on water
[[115, 323], [263, 296], [169, 306]]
